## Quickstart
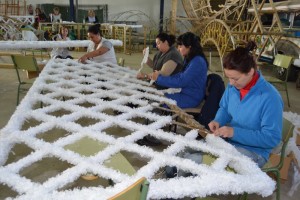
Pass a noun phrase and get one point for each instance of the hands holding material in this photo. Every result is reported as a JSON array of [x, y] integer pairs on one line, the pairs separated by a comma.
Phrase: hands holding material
[[224, 131]]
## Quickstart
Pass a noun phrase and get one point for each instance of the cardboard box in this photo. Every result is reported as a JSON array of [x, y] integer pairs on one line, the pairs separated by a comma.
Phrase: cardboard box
[[275, 158]]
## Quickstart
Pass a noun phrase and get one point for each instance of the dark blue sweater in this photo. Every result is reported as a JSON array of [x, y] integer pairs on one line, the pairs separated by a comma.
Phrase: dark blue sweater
[[192, 81]]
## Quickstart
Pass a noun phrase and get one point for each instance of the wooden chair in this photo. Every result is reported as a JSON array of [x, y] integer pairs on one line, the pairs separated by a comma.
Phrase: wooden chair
[[287, 132], [281, 62], [27, 63], [136, 191]]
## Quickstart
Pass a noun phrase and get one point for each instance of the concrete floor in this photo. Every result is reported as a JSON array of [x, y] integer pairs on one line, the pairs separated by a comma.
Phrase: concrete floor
[[8, 87]]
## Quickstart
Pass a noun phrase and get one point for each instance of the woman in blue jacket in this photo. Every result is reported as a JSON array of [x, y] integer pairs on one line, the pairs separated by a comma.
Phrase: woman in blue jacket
[[192, 79], [250, 113]]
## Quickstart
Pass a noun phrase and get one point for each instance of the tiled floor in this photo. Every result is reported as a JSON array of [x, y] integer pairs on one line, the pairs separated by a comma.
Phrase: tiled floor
[[8, 86]]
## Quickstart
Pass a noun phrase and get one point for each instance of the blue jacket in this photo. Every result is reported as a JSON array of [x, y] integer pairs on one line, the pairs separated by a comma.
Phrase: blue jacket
[[256, 120], [192, 81]]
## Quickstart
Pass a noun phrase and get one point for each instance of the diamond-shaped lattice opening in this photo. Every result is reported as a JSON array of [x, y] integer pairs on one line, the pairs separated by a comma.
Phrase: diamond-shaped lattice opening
[[6, 192], [59, 113], [86, 121], [69, 70], [18, 152], [86, 146], [52, 73], [125, 93], [141, 120], [30, 123], [132, 105], [161, 146], [86, 92], [49, 81], [117, 131], [85, 75], [110, 111], [160, 173], [39, 104], [103, 88], [136, 160], [141, 90], [66, 86], [108, 98], [102, 80], [44, 169], [53, 135], [86, 104], [85, 82], [67, 77], [46, 91], [62, 98], [208, 159], [81, 183]]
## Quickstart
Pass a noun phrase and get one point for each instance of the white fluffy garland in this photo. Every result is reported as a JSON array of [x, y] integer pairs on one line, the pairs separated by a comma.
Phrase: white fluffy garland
[[5, 45], [69, 78]]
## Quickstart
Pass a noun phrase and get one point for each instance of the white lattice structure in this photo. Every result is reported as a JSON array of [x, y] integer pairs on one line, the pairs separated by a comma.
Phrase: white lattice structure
[[7, 45], [68, 85], [28, 19]]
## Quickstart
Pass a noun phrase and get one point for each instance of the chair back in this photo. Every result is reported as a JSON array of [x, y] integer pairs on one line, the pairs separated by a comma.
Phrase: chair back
[[136, 191], [214, 91], [25, 62], [287, 130], [282, 61]]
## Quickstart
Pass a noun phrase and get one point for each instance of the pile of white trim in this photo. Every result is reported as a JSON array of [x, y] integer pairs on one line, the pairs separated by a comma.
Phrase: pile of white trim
[[82, 83]]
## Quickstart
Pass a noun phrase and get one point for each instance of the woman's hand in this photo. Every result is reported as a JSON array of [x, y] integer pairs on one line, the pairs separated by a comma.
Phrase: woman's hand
[[83, 59], [154, 75], [224, 131], [213, 126], [142, 76]]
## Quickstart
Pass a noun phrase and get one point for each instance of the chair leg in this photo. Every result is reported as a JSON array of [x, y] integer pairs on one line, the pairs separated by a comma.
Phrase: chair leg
[[287, 95], [277, 174], [18, 95]]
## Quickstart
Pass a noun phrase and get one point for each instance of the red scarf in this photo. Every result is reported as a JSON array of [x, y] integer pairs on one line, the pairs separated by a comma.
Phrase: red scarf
[[247, 88]]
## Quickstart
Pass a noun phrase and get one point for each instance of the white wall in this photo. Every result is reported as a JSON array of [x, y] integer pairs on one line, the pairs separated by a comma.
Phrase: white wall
[[149, 7]]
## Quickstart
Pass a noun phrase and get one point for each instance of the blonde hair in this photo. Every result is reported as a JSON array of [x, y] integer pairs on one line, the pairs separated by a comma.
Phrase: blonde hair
[[56, 9], [91, 13]]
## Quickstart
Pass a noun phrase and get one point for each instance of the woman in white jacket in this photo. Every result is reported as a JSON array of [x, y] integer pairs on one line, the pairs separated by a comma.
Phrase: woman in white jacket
[[62, 53]]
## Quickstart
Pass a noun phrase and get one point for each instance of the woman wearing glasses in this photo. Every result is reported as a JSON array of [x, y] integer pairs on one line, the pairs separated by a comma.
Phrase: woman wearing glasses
[[192, 79], [250, 113]]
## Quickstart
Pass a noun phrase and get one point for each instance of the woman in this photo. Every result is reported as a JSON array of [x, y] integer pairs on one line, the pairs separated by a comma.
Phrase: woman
[[39, 17], [167, 61], [100, 49], [250, 113], [91, 18], [192, 80], [56, 15], [62, 53]]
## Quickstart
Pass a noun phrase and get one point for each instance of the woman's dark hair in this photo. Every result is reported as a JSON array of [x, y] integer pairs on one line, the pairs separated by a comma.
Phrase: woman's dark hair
[[95, 29], [241, 59], [62, 28], [189, 39], [166, 37]]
